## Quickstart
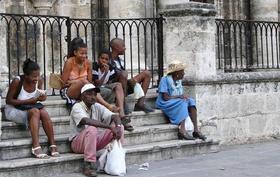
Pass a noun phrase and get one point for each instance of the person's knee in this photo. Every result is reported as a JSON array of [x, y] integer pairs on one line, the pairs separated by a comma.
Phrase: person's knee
[[118, 87], [147, 73], [123, 74], [90, 130], [34, 112]]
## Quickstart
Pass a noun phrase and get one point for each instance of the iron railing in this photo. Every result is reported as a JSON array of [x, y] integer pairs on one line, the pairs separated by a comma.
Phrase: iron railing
[[247, 45], [46, 39]]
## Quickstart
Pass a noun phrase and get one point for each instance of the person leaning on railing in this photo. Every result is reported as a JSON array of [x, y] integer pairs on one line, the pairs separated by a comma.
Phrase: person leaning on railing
[[77, 72], [22, 107]]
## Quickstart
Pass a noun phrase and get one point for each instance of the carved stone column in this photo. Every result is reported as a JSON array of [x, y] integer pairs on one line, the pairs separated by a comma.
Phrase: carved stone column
[[189, 36], [43, 6]]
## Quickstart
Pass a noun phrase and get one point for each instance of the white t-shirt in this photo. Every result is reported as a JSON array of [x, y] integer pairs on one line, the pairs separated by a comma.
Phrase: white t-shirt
[[80, 111]]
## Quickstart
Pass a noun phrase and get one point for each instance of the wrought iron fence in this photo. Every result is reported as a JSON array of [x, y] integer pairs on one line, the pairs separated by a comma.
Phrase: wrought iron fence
[[46, 39], [243, 46]]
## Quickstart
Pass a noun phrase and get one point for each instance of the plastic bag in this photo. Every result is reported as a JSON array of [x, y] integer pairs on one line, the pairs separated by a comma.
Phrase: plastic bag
[[115, 164], [138, 91], [189, 125]]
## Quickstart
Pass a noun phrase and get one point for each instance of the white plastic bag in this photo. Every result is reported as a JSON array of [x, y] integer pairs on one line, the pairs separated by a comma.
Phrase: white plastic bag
[[138, 91], [115, 164], [189, 125]]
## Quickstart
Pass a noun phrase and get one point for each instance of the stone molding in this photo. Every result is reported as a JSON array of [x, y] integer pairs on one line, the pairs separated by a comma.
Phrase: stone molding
[[188, 9], [238, 78]]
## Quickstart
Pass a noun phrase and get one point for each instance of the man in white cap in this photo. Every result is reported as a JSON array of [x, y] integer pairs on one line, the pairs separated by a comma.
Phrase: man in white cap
[[92, 127]]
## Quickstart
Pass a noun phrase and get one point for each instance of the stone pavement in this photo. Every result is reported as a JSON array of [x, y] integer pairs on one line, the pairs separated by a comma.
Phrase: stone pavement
[[251, 160]]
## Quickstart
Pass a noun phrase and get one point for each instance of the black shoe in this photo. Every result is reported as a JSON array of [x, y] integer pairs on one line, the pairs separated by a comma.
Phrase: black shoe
[[125, 120], [199, 136], [128, 127], [90, 169], [144, 108], [185, 136]]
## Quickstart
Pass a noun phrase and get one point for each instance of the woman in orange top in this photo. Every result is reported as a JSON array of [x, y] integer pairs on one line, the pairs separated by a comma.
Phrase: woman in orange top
[[77, 72]]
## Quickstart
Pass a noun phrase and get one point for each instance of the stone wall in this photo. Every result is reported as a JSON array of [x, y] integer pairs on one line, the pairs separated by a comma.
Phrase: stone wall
[[234, 108], [239, 108]]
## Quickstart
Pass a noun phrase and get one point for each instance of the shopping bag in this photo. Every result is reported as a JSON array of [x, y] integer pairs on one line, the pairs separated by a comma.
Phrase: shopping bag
[[189, 125], [115, 164], [55, 81], [138, 91]]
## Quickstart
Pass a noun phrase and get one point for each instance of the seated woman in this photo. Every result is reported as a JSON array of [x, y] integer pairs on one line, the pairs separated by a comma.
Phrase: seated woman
[[77, 72], [103, 77], [177, 106], [22, 107]]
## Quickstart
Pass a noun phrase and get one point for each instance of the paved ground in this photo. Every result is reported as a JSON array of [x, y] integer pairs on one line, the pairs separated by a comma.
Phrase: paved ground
[[252, 160]]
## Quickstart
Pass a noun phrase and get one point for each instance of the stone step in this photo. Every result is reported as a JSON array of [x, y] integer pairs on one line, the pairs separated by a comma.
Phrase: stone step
[[57, 106], [21, 148], [12, 130], [69, 163]]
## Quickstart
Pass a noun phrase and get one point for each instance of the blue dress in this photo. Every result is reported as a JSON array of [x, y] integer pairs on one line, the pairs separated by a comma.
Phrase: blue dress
[[176, 109]]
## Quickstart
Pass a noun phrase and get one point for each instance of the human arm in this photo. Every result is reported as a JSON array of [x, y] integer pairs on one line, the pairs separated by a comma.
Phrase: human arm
[[167, 97], [89, 71], [11, 97], [66, 73], [117, 128], [100, 100]]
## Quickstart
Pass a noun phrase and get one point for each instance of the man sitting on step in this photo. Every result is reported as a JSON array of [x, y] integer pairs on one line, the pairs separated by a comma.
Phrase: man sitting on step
[[118, 48], [92, 127]]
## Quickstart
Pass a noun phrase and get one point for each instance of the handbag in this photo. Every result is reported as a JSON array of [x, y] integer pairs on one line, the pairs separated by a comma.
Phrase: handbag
[[55, 81], [25, 107], [115, 164]]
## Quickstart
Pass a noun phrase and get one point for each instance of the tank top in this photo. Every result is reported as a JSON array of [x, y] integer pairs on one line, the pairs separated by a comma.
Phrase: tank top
[[24, 95], [76, 71]]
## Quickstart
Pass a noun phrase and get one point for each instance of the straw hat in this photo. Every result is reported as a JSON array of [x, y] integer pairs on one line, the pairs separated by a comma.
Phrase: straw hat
[[175, 66]]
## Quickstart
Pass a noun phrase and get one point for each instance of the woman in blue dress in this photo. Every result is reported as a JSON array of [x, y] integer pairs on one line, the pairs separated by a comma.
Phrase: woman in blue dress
[[177, 106]]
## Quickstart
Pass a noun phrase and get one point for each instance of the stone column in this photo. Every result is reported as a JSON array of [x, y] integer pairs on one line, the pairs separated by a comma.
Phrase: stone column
[[132, 9], [43, 6], [189, 36], [3, 55]]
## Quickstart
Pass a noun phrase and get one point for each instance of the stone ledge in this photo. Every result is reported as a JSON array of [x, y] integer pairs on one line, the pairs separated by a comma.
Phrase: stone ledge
[[188, 9], [237, 78]]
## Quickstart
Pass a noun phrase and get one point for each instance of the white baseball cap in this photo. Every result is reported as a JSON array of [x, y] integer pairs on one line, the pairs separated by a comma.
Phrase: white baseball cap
[[87, 87]]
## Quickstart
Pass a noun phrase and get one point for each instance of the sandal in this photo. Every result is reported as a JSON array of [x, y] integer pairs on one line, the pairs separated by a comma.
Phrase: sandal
[[40, 155], [128, 127], [55, 153], [199, 136], [125, 120]]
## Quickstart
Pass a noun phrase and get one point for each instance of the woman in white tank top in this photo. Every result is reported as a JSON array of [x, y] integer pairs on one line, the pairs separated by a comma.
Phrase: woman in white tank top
[[24, 91]]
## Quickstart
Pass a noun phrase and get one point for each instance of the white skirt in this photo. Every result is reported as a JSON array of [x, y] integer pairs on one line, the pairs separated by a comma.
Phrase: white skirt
[[16, 115]]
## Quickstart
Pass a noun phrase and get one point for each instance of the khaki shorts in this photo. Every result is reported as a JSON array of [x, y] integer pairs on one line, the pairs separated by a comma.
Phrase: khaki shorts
[[107, 92]]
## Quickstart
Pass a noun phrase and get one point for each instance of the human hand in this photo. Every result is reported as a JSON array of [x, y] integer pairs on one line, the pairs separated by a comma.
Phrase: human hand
[[42, 97], [116, 130], [114, 108]]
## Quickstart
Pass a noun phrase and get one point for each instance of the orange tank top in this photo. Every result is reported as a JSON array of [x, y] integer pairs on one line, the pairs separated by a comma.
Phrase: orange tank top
[[78, 71]]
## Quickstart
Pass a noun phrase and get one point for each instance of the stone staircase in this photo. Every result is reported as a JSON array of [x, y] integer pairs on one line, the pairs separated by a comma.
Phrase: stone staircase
[[153, 139]]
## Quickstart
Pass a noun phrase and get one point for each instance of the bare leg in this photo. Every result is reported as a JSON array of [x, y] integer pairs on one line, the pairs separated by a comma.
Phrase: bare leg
[[120, 98], [122, 78], [48, 128], [144, 78], [74, 90], [34, 123], [182, 128], [193, 115]]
